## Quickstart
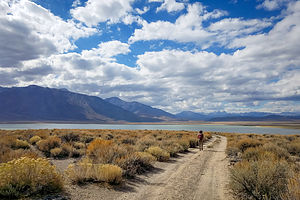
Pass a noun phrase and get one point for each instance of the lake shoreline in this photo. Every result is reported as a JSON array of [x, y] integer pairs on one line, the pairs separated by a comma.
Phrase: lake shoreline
[[218, 128], [267, 124]]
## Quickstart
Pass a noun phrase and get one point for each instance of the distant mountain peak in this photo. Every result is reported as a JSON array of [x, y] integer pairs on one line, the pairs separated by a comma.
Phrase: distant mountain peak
[[34, 86], [141, 109]]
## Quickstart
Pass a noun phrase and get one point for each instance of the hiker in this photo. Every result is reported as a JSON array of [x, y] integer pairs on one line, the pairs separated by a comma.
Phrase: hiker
[[200, 140]]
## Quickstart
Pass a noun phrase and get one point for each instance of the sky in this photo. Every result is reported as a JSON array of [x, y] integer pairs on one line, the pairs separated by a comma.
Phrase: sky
[[178, 55]]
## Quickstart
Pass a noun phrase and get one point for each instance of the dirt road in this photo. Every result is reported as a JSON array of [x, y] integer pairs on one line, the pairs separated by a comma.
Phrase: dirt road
[[196, 175], [193, 175]]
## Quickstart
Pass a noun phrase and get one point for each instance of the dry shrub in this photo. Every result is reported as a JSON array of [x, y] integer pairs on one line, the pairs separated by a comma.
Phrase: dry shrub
[[21, 144], [81, 172], [293, 188], [34, 139], [280, 152], [128, 141], [251, 154], [255, 154], [70, 137], [193, 142], [105, 151], [85, 171], [99, 147], [28, 176], [56, 152], [78, 145], [207, 135], [8, 141], [262, 179], [185, 144], [109, 173], [145, 142], [78, 153], [11, 154], [47, 144], [232, 151], [173, 148], [247, 143], [67, 149], [146, 159], [135, 163], [86, 139], [294, 147], [158, 153]]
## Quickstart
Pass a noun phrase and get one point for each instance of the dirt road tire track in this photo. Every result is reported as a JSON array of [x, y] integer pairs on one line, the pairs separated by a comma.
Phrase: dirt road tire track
[[196, 175]]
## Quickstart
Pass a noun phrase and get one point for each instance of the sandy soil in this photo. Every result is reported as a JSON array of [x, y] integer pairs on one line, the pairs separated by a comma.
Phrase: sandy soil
[[193, 175]]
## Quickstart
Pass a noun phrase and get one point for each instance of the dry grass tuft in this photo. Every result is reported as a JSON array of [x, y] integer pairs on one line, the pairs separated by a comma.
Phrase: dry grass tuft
[[86, 171]]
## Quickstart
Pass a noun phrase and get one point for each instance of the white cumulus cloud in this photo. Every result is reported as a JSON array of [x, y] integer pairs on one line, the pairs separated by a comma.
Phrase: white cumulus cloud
[[29, 31], [171, 6], [187, 28], [96, 11], [273, 4]]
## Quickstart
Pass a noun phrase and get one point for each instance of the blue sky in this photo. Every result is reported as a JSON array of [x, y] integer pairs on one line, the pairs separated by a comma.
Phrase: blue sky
[[203, 56]]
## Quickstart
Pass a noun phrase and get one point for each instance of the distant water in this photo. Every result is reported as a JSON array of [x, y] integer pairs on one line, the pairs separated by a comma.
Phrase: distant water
[[213, 128]]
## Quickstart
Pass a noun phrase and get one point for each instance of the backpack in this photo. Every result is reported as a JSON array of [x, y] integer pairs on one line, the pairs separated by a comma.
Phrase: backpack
[[200, 136]]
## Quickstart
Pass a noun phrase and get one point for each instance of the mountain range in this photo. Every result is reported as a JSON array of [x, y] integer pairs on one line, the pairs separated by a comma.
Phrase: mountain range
[[34, 104]]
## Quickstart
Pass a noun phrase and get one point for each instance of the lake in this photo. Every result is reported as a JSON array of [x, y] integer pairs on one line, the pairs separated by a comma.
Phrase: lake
[[213, 128]]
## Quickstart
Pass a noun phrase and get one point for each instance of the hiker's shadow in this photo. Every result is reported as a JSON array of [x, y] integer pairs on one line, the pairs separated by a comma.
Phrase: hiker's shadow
[[131, 183]]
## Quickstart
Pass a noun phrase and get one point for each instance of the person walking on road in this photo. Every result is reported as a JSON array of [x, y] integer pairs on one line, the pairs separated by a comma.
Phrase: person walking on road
[[200, 140]]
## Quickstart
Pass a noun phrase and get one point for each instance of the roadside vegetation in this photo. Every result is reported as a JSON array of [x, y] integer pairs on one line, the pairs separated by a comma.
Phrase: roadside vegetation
[[264, 166], [101, 156]]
